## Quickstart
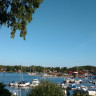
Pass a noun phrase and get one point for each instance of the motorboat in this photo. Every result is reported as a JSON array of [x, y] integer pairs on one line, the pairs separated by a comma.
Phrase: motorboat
[[31, 74], [23, 84], [72, 80], [74, 87], [84, 88], [69, 80], [78, 81], [90, 81], [35, 82], [91, 93], [16, 84], [94, 82], [47, 75], [12, 83]]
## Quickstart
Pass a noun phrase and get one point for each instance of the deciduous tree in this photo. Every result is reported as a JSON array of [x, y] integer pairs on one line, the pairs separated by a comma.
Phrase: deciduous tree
[[17, 14]]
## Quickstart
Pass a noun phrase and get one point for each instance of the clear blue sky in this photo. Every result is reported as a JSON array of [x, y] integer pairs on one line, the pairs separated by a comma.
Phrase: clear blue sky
[[62, 33]]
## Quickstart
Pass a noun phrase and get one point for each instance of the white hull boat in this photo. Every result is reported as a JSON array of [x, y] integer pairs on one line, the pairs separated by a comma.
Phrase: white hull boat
[[35, 82], [24, 84]]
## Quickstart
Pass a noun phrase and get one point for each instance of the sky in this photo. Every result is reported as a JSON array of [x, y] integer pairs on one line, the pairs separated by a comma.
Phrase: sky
[[62, 34]]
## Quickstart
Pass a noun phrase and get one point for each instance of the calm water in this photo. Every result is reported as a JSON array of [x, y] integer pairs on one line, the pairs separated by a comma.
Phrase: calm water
[[8, 77]]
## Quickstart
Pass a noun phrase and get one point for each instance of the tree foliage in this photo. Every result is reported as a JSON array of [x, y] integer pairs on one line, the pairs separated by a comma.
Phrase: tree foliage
[[80, 93], [4, 91], [17, 14], [46, 88], [90, 69]]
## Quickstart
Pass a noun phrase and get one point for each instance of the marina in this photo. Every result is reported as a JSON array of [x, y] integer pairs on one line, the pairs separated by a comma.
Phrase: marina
[[83, 85], [22, 88]]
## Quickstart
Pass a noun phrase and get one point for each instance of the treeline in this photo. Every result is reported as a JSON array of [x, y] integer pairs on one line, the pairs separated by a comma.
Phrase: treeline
[[33, 68], [88, 68]]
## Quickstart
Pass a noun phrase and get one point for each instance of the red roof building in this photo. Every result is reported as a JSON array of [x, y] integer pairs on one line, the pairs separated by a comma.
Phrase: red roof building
[[3, 69]]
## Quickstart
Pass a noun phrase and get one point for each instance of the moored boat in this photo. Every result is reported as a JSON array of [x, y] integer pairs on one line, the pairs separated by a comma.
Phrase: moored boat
[[24, 84], [84, 88], [34, 83], [91, 93], [74, 87], [16, 84], [31, 74], [47, 75], [11, 83]]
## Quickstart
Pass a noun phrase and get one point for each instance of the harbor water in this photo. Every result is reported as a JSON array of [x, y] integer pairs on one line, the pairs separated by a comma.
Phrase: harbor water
[[22, 91]]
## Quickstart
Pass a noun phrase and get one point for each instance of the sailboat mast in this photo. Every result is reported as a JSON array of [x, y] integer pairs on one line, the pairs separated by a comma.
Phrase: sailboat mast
[[77, 71], [20, 74]]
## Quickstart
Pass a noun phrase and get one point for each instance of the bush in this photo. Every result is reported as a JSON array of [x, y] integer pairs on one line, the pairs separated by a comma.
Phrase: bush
[[80, 93], [3, 91], [46, 88]]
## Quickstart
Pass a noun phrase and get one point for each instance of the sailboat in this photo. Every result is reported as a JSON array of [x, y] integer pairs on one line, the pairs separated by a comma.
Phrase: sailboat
[[23, 83], [32, 73], [45, 74]]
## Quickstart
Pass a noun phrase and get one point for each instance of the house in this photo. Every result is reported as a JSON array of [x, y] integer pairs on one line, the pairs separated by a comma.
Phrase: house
[[4, 69], [55, 71]]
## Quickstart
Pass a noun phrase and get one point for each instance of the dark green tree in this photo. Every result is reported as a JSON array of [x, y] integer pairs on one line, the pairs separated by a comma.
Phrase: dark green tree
[[4, 91], [58, 69], [64, 70], [39, 69], [17, 14]]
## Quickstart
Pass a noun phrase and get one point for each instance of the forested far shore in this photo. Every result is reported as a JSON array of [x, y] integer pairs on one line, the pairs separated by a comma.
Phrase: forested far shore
[[41, 69]]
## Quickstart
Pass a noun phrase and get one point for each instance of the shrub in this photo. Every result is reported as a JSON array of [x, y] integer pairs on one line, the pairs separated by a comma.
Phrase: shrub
[[46, 88], [80, 93]]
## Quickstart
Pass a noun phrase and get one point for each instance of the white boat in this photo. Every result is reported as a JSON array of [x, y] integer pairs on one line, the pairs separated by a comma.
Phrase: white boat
[[94, 82], [12, 83], [64, 85], [78, 81], [31, 74], [90, 81], [84, 88], [16, 84], [24, 84], [69, 80], [91, 93], [72, 80], [35, 82], [46, 75]]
